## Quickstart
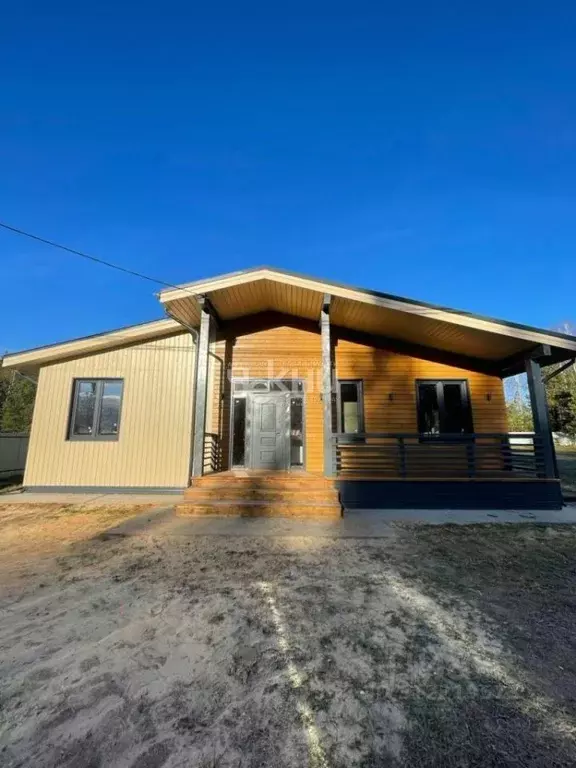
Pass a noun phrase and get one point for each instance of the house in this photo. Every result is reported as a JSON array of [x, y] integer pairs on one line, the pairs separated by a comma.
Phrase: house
[[268, 387]]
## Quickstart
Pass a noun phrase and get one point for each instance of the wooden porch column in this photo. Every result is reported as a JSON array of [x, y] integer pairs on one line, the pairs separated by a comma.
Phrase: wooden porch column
[[327, 385], [540, 414], [201, 389]]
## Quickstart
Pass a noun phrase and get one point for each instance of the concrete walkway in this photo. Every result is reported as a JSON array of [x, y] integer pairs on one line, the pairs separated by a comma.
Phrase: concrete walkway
[[91, 499], [355, 525], [466, 516], [355, 522]]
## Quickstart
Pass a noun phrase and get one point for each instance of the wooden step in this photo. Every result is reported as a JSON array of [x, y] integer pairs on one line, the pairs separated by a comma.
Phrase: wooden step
[[260, 509], [269, 482], [288, 495], [262, 494]]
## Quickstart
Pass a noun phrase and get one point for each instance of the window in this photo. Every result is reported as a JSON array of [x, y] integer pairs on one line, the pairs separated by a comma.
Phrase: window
[[268, 385], [444, 408], [296, 432], [286, 385], [96, 405], [239, 432], [350, 408]]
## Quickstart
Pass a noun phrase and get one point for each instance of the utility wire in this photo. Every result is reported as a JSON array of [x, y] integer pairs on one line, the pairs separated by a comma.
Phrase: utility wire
[[89, 257]]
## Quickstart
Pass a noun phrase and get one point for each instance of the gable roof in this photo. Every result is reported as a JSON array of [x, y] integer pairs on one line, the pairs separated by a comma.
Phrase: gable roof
[[262, 289], [98, 342], [237, 294]]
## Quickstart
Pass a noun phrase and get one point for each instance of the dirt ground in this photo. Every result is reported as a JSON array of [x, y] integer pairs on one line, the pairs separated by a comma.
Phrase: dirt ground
[[139, 648], [567, 468]]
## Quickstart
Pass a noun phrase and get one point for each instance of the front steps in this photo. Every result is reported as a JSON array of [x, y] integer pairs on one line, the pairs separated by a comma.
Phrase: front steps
[[278, 494]]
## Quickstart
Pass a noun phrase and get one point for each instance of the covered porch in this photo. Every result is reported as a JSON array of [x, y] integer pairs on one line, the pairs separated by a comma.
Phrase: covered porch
[[465, 471], [426, 466]]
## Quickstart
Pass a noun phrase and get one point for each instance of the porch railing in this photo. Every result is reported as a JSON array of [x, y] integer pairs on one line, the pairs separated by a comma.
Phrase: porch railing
[[212, 453], [408, 455]]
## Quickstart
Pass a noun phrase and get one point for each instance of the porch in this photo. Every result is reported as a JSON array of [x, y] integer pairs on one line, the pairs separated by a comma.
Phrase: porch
[[395, 404], [387, 471], [408, 456], [405, 456], [459, 471]]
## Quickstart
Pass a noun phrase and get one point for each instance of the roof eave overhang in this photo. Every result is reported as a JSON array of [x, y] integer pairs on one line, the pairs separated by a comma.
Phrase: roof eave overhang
[[99, 342], [564, 345], [182, 304]]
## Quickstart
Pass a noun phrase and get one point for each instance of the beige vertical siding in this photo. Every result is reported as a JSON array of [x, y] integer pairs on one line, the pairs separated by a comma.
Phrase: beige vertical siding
[[153, 449]]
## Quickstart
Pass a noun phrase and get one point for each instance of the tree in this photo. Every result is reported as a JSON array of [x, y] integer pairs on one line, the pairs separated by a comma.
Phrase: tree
[[517, 405], [16, 404], [561, 391], [4, 387]]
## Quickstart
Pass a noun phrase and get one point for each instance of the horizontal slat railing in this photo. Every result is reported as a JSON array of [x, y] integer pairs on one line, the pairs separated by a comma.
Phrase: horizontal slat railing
[[212, 453], [409, 455]]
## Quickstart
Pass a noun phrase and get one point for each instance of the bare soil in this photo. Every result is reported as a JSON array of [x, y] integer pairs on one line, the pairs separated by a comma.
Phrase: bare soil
[[134, 646], [567, 469]]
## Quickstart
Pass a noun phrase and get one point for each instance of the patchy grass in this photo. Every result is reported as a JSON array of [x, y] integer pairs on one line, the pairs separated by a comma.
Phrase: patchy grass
[[567, 470], [436, 646]]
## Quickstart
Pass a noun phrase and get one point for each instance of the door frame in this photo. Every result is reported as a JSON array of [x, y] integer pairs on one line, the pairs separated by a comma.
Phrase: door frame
[[248, 423]]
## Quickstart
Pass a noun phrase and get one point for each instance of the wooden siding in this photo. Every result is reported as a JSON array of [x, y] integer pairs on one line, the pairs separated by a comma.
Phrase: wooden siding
[[271, 345], [386, 373], [266, 295], [423, 329], [267, 289], [153, 448]]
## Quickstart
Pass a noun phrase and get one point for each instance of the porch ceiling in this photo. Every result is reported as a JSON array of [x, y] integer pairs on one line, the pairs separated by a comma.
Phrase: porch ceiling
[[265, 289]]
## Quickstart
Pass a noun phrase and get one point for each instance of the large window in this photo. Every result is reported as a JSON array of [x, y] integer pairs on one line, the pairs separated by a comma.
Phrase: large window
[[444, 408], [96, 406], [350, 408]]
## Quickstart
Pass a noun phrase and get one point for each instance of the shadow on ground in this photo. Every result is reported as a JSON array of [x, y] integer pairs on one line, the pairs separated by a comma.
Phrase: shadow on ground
[[436, 646]]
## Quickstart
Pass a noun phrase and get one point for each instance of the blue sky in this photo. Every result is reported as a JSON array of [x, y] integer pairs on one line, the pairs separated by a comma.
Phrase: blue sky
[[419, 149]]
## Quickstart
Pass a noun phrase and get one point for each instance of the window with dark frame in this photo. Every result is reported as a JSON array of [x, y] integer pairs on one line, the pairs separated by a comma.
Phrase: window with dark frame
[[351, 408], [443, 408], [96, 408], [239, 432], [296, 431]]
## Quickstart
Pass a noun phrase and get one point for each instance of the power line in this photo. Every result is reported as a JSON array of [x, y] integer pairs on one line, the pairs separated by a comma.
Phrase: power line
[[88, 256]]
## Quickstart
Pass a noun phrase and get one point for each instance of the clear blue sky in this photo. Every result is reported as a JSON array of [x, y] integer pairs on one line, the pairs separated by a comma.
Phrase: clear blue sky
[[423, 149]]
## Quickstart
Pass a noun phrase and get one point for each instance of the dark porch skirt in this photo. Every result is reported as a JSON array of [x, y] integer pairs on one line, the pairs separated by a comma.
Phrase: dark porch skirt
[[450, 494]]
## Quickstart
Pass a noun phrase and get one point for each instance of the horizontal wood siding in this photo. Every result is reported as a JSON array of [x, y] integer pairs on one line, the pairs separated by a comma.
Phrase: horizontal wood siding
[[272, 345], [269, 346], [386, 373], [153, 449]]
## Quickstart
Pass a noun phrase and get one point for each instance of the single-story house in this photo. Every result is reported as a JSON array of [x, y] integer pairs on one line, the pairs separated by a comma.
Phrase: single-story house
[[267, 387]]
